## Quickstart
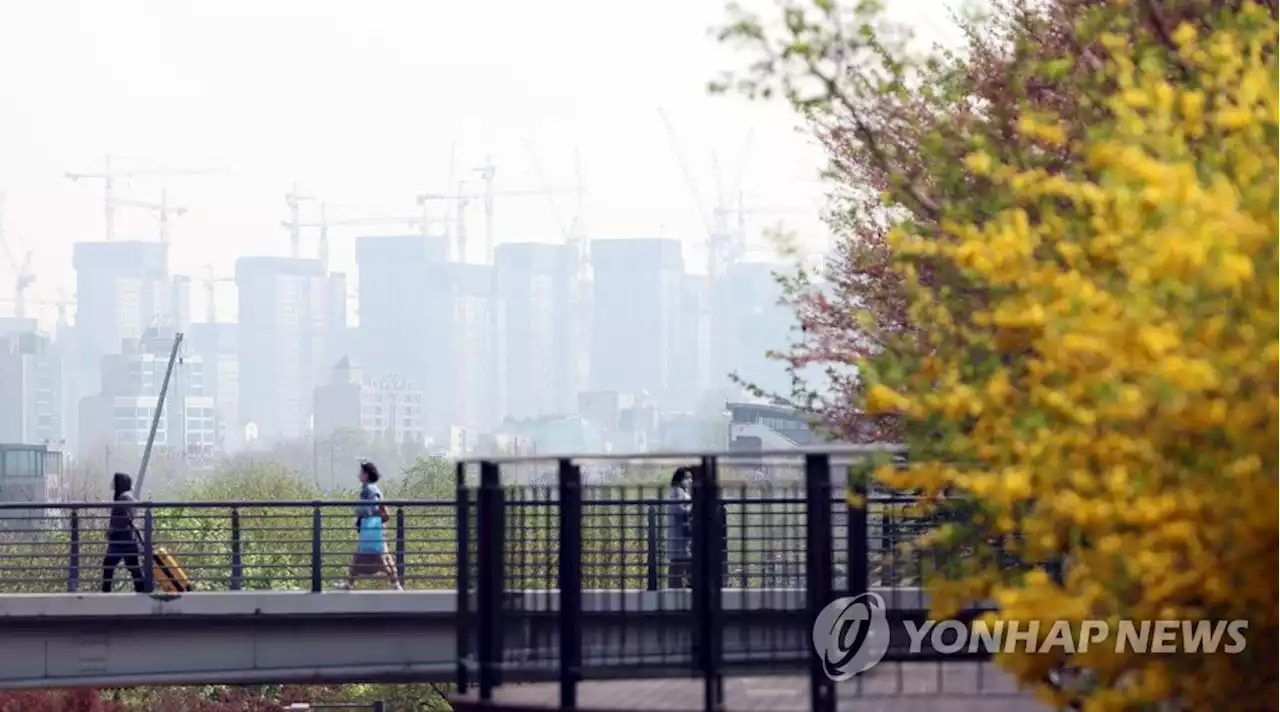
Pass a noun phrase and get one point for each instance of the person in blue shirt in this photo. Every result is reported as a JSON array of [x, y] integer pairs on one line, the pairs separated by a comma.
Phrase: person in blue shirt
[[371, 552]]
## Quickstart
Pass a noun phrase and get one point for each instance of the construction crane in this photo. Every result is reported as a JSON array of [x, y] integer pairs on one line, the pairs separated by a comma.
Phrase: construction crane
[[487, 173], [741, 246], [460, 206], [109, 176], [544, 184], [724, 245], [420, 223], [575, 231], [60, 304], [23, 277], [162, 209], [294, 200], [211, 293], [713, 221]]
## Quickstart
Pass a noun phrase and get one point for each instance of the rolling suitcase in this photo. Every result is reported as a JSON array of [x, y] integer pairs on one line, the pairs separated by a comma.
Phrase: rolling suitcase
[[166, 573]]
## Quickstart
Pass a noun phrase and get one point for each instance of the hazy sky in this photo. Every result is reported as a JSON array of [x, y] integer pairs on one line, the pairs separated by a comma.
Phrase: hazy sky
[[359, 102]]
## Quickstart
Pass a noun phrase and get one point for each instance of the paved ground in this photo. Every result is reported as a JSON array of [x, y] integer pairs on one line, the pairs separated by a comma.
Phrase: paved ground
[[904, 687]]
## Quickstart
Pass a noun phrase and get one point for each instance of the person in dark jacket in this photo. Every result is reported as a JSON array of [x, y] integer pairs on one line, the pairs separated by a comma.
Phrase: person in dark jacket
[[122, 536], [679, 528]]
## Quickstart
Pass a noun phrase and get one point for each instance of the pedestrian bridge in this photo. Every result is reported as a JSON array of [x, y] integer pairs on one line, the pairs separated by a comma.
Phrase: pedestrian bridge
[[509, 581], [248, 637]]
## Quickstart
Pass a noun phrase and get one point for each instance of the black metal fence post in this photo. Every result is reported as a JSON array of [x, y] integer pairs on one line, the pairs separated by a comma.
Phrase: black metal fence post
[[857, 546], [463, 520], [818, 567], [73, 560], [148, 550], [570, 582], [489, 529], [400, 544], [652, 553], [317, 555], [237, 556], [707, 591]]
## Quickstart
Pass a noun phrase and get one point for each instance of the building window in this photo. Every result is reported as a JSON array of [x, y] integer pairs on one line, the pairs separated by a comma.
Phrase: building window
[[21, 463]]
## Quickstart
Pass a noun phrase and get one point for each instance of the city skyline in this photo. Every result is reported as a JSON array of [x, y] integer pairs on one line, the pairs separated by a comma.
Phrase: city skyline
[[635, 347], [363, 109]]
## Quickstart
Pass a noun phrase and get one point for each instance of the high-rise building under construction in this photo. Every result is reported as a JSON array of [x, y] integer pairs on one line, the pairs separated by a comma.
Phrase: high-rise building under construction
[[537, 284], [394, 331], [122, 289], [640, 332], [291, 314]]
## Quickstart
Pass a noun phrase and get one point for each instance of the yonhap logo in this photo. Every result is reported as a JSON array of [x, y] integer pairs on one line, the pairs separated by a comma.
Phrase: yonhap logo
[[851, 635]]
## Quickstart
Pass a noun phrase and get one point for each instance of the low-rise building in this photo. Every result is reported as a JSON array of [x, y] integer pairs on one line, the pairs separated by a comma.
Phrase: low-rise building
[[29, 473], [120, 415], [30, 388], [216, 344], [768, 426], [386, 408]]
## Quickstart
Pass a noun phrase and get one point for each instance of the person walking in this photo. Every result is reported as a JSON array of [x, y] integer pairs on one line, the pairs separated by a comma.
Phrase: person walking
[[680, 529], [122, 536], [371, 550]]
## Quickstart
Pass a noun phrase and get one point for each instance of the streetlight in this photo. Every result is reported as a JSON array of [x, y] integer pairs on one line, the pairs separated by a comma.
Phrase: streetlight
[[378, 706]]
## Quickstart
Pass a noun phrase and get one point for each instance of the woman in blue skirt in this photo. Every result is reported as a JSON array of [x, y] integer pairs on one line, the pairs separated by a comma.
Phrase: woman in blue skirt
[[371, 552]]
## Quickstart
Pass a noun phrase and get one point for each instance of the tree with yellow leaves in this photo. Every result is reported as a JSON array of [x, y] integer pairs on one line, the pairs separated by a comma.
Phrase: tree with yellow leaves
[[1098, 377], [1115, 401]]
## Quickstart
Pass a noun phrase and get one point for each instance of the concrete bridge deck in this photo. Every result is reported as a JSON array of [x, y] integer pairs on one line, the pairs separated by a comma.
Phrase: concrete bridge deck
[[248, 637]]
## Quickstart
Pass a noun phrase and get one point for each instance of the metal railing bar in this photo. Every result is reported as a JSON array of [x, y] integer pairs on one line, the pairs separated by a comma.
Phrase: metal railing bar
[[214, 504], [791, 454]]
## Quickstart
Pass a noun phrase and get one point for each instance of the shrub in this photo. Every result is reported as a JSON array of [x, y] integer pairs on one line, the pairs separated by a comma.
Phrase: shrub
[[1113, 400]]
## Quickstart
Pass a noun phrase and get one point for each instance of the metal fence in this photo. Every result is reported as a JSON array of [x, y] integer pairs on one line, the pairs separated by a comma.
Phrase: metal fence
[[308, 546], [228, 546], [556, 582]]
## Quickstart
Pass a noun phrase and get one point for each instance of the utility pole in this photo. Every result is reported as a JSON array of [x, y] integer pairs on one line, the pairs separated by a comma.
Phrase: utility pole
[[155, 417]]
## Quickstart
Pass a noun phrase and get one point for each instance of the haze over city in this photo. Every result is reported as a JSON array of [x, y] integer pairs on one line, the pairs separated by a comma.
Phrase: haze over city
[[792, 355], [211, 114]]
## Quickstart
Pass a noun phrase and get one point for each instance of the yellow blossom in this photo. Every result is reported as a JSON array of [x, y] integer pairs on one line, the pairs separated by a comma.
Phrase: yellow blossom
[[1114, 395]]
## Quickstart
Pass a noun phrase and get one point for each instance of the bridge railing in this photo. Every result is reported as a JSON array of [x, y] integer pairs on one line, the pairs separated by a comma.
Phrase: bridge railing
[[228, 546], [308, 546], [763, 562]]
